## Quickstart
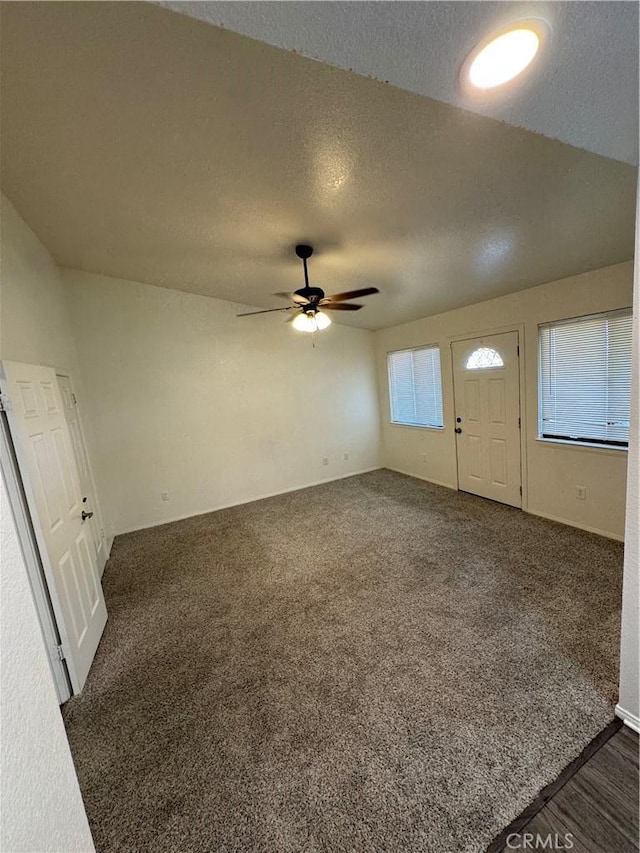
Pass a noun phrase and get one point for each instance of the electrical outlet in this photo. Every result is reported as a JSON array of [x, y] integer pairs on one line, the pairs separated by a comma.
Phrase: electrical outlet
[[424, 457], [164, 496], [325, 460], [345, 456], [581, 493]]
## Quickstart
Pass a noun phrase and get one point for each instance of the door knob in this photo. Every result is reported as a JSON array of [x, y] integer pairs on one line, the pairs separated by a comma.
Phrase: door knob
[[86, 515], [458, 429]]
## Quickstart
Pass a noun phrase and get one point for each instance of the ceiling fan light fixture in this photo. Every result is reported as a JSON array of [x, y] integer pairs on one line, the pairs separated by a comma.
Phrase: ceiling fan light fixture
[[311, 321], [323, 321], [304, 323]]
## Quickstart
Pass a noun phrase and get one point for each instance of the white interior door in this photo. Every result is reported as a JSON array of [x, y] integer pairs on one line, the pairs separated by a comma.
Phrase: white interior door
[[87, 485], [43, 448], [487, 401]]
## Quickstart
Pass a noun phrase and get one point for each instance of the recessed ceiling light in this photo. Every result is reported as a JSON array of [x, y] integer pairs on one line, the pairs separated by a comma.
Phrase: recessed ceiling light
[[504, 56]]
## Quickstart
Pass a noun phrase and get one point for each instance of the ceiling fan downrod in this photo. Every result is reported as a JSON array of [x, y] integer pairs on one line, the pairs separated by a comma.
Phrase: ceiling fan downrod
[[304, 252]]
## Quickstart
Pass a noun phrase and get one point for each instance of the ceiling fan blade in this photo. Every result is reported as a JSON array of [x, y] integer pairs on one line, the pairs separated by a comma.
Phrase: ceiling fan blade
[[342, 306], [352, 294], [266, 311], [293, 297]]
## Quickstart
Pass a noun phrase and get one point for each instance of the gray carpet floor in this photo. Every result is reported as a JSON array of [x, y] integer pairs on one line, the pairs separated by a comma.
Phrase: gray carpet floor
[[375, 664]]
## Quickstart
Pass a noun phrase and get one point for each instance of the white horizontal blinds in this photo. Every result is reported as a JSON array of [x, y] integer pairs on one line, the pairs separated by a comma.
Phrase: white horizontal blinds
[[415, 387], [403, 398], [428, 386], [585, 378]]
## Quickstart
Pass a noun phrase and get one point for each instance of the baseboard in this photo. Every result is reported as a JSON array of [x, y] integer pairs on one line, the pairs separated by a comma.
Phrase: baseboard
[[606, 533], [418, 477], [251, 500], [265, 495], [628, 718]]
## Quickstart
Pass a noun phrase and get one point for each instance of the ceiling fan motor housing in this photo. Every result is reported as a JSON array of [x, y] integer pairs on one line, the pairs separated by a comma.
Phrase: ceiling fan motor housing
[[313, 294]]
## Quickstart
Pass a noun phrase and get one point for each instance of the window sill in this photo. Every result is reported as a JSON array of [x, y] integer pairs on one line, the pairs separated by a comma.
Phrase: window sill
[[417, 426], [582, 445]]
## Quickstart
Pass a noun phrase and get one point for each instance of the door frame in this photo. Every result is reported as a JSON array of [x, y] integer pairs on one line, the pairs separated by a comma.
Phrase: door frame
[[31, 553], [513, 327]]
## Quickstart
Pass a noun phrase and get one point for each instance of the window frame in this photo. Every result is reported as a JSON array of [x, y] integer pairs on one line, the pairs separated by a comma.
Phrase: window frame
[[567, 441], [389, 387]]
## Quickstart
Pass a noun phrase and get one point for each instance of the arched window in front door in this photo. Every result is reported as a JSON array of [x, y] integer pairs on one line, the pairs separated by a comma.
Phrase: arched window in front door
[[484, 357]]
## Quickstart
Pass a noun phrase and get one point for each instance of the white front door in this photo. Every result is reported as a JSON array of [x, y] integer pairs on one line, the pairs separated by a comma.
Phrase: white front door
[[87, 486], [45, 457], [487, 412]]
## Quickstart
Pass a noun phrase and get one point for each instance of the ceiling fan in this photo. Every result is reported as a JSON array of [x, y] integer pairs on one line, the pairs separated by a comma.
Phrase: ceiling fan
[[310, 303]]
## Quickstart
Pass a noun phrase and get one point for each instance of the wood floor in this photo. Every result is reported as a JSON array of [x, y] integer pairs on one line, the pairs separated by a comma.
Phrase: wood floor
[[596, 811]]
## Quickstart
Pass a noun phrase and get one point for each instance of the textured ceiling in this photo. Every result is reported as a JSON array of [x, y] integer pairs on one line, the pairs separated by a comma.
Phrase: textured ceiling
[[583, 88], [150, 146]]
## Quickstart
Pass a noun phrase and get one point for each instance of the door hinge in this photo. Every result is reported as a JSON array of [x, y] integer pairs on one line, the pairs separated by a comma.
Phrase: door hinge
[[60, 653], [518, 349], [519, 424], [520, 491], [74, 398], [5, 403]]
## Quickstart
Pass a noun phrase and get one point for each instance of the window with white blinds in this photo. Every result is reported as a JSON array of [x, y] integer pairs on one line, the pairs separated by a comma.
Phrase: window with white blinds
[[415, 387], [585, 379]]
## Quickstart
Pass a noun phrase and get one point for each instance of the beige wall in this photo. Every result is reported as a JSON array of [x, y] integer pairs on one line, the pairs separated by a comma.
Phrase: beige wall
[[551, 471], [35, 324], [40, 803], [34, 318], [187, 399], [629, 701]]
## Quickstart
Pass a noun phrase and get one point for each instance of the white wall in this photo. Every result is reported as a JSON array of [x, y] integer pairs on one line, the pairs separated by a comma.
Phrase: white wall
[[551, 471], [629, 701], [34, 318], [212, 409], [40, 803], [35, 324]]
